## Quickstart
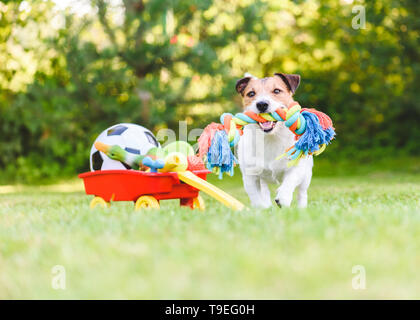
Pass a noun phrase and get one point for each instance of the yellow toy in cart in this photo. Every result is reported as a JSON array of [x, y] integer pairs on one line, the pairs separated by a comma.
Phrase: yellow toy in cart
[[177, 162]]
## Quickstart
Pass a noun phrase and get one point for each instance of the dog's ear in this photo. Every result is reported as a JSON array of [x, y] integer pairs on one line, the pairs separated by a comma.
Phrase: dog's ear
[[291, 80], [241, 85]]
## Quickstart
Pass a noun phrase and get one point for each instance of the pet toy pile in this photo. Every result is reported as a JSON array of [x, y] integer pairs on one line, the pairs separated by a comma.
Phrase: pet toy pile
[[313, 130], [128, 146], [176, 156]]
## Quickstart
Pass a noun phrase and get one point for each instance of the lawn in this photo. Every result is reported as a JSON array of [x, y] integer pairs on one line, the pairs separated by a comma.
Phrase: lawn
[[372, 220]]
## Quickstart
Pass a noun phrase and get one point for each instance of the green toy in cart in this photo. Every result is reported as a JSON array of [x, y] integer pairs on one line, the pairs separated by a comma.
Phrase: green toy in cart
[[133, 161]]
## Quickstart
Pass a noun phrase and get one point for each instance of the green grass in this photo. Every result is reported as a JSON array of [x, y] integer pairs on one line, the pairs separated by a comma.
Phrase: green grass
[[371, 220]]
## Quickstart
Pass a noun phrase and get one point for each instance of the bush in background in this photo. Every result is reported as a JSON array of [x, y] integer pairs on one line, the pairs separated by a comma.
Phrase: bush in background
[[64, 77]]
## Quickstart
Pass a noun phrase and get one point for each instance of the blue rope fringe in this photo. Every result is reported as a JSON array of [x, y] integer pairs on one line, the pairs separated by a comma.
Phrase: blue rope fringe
[[220, 154], [314, 135]]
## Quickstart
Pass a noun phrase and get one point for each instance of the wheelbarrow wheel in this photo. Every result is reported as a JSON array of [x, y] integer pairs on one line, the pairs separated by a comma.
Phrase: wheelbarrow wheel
[[98, 201], [147, 202], [198, 203]]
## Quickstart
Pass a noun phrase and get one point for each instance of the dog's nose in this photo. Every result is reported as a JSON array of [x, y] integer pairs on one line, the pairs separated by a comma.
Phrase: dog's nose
[[278, 202], [262, 106]]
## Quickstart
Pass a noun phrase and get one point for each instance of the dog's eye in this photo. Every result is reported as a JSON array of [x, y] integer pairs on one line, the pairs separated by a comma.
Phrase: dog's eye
[[276, 91], [251, 94]]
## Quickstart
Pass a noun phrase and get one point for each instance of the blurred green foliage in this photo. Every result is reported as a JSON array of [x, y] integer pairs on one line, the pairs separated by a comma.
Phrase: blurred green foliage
[[66, 76]]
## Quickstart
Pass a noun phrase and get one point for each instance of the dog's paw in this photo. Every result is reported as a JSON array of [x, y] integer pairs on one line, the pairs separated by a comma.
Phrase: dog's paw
[[283, 198]]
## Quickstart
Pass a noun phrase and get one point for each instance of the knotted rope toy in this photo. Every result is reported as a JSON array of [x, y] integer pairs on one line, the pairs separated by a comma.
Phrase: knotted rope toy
[[313, 130]]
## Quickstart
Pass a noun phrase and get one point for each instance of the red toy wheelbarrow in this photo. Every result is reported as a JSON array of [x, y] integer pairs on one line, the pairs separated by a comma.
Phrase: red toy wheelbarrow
[[146, 189]]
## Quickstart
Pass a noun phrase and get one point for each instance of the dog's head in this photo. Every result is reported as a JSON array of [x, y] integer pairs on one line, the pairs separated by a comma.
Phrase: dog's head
[[267, 94]]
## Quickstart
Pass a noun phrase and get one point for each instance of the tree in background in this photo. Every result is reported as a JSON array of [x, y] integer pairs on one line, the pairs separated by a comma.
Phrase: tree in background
[[64, 77]]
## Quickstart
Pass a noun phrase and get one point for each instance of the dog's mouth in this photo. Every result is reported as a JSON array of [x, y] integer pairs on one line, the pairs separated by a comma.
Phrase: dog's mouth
[[267, 126]]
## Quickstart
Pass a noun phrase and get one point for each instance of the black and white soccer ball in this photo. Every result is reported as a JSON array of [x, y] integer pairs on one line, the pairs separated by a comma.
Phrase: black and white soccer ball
[[131, 137]]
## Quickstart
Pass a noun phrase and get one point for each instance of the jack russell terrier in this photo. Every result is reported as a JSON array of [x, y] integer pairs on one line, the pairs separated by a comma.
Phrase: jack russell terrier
[[261, 143]]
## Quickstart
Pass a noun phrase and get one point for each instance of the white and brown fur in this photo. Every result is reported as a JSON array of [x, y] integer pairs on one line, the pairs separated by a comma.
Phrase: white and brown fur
[[260, 145]]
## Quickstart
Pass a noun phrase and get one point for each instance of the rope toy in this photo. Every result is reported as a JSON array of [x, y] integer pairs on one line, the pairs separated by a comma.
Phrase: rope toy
[[313, 130]]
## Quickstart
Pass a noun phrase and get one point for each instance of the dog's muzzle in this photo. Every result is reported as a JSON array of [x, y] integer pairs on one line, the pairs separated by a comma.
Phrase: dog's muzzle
[[262, 106]]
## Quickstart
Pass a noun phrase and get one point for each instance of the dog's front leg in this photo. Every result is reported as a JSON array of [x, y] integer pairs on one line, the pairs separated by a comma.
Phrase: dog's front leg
[[252, 187], [265, 194], [302, 195], [284, 195]]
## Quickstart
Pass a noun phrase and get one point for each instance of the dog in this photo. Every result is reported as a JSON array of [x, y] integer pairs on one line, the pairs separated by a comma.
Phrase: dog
[[261, 143]]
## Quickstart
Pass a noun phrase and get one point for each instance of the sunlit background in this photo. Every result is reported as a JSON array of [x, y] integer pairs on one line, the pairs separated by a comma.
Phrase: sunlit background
[[69, 69]]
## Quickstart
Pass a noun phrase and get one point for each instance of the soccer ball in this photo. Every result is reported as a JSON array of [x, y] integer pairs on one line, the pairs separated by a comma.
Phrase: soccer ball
[[133, 138]]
